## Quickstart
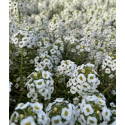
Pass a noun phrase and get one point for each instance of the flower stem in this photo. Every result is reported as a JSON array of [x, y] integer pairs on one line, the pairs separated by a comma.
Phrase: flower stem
[[21, 76], [19, 17]]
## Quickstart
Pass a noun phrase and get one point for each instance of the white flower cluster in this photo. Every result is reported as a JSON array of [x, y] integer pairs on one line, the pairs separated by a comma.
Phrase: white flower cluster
[[40, 85], [17, 9], [84, 80], [43, 62], [52, 51], [55, 27], [55, 54], [75, 48], [44, 43], [36, 109], [12, 28], [94, 107], [23, 39], [67, 68], [84, 44], [60, 44], [32, 7], [109, 65], [61, 112]]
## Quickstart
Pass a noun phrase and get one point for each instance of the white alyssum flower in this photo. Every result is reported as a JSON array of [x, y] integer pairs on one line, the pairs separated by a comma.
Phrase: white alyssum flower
[[59, 100], [66, 113], [37, 107], [82, 120], [100, 101], [87, 109], [57, 120], [92, 98], [107, 71], [46, 74], [111, 76], [39, 83], [42, 117], [112, 104], [113, 111], [46, 61], [81, 78], [22, 105], [73, 90], [106, 113], [91, 121], [85, 86], [28, 121], [91, 78], [75, 100]]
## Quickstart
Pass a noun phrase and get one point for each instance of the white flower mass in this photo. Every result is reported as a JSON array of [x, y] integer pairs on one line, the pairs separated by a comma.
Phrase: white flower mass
[[62, 62]]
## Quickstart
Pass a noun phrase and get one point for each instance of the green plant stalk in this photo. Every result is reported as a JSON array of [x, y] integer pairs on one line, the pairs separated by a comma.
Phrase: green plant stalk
[[106, 89], [21, 67], [21, 76], [19, 17]]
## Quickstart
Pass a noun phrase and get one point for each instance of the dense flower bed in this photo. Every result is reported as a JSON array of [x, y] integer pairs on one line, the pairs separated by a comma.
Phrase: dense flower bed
[[62, 62]]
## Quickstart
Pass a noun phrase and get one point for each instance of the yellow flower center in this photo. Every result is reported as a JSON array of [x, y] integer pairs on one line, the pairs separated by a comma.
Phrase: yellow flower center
[[67, 62], [84, 86], [39, 83], [81, 47], [110, 54], [42, 64], [55, 109], [91, 77], [43, 90], [56, 121], [21, 105], [106, 113], [91, 121], [28, 123], [98, 112], [42, 117], [80, 78], [36, 107], [83, 70], [21, 116], [70, 67], [35, 74], [45, 75], [87, 109], [100, 102], [66, 113]]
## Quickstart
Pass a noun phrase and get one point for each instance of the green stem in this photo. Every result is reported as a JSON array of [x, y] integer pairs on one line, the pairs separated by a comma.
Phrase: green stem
[[21, 76], [19, 17], [21, 67], [106, 89]]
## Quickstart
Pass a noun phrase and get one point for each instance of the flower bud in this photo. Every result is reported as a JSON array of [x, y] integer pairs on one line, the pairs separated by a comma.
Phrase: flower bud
[[21, 116], [98, 112]]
